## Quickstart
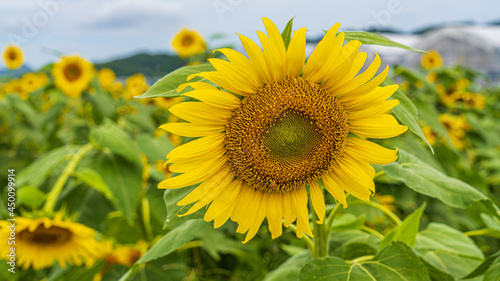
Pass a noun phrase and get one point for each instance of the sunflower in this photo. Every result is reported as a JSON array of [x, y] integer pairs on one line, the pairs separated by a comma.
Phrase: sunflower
[[188, 43], [279, 129], [430, 135], [106, 77], [13, 57], [72, 75], [135, 85], [456, 126], [166, 103], [431, 60], [468, 99], [40, 242]]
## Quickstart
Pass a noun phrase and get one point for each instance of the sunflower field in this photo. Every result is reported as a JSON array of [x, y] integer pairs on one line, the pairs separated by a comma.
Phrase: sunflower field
[[265, 164]]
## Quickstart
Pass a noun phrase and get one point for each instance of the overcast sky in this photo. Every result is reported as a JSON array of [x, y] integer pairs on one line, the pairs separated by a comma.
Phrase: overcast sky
[[101, 30]]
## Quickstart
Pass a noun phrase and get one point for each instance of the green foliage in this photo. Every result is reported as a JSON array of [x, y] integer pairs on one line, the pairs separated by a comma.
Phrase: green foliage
[[394, 262], [376, 39]]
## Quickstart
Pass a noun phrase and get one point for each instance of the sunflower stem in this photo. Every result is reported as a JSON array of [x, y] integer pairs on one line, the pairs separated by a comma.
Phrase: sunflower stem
[[304, 238], [63, 178], [321, 239]]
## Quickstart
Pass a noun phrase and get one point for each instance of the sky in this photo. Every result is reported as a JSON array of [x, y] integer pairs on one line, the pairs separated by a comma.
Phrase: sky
[[103, 30]]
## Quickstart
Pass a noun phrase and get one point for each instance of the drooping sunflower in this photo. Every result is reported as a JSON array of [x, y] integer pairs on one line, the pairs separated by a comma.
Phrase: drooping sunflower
[[13, 57], [431, 60], [188, 43], [41, 242], [276, 129], [72, 75]]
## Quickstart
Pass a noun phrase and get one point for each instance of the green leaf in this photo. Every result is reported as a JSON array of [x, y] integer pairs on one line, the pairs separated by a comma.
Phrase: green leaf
[[436, 273], [94, 180], [448, 249], [287, 33], [30, 196], [483, 267], [407, 113], [490, 221], [376, 39], [290, 269], [109, 135], [155, 149], [173, 240], [493, 273], [167, 86], [124, 181], [348, 222], [426, 180], [171, 197], [407, 231], [37, 172], [50, 116], [429, 113], [395, 262]]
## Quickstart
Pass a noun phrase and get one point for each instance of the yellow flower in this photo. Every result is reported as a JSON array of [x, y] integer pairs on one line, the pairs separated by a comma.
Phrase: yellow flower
[[468, 100], [419, 84], [293, 127], [188, 43], [431, 60], [72, 75], [386, 201], [166, 103], [404, 86], [462, 84], [431, 77], [116, 89], [106, 77], [430, 135], [135, 85], [13, 57], [456, 126], [43, 241], [31, 82]]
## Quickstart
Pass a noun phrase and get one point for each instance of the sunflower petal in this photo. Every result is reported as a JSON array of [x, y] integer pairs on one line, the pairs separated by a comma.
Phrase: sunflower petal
[[370, 151], [381, 126], [318, 201]]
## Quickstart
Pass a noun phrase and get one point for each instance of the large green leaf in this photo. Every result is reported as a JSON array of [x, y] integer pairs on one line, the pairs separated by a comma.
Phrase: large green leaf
[[407, 113], [124, 181], [424, 179], [348, 222], [448, 249], [484, 266], [171, 197], [376, 39], [167, 86], [396, 262], [173, 240], [290, 269], [493, 273], [109, 135], [37, 172], [405, 232], [29, 196], [94, 180]]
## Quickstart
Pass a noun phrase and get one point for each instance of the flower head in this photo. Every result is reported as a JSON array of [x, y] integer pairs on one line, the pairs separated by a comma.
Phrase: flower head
[[431, 60], [276, 126], [72, 75], [43, 241], [188, 43], [13, 57]]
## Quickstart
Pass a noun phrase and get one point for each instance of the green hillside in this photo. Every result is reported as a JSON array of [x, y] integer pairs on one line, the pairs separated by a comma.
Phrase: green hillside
[[153, 66]]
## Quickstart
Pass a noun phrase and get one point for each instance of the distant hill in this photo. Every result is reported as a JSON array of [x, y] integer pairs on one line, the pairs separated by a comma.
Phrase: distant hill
[[16, 72], [152, 66]]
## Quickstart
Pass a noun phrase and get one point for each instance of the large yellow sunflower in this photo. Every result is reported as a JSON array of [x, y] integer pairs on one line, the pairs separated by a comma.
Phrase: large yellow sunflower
[[72, 75], [431, 60], [13, 57], [40, 242], [188, 43], [279, 129]]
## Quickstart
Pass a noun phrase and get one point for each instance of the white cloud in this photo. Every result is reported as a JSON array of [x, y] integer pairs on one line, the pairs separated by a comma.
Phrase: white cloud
[[131, 13]]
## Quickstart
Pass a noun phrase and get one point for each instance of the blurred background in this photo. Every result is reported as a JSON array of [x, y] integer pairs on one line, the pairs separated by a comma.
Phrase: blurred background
[[126, 35]]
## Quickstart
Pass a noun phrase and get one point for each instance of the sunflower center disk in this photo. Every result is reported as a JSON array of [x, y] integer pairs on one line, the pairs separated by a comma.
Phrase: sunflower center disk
[[12, 55], [42, 235], [286, 135], [72, 72]]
